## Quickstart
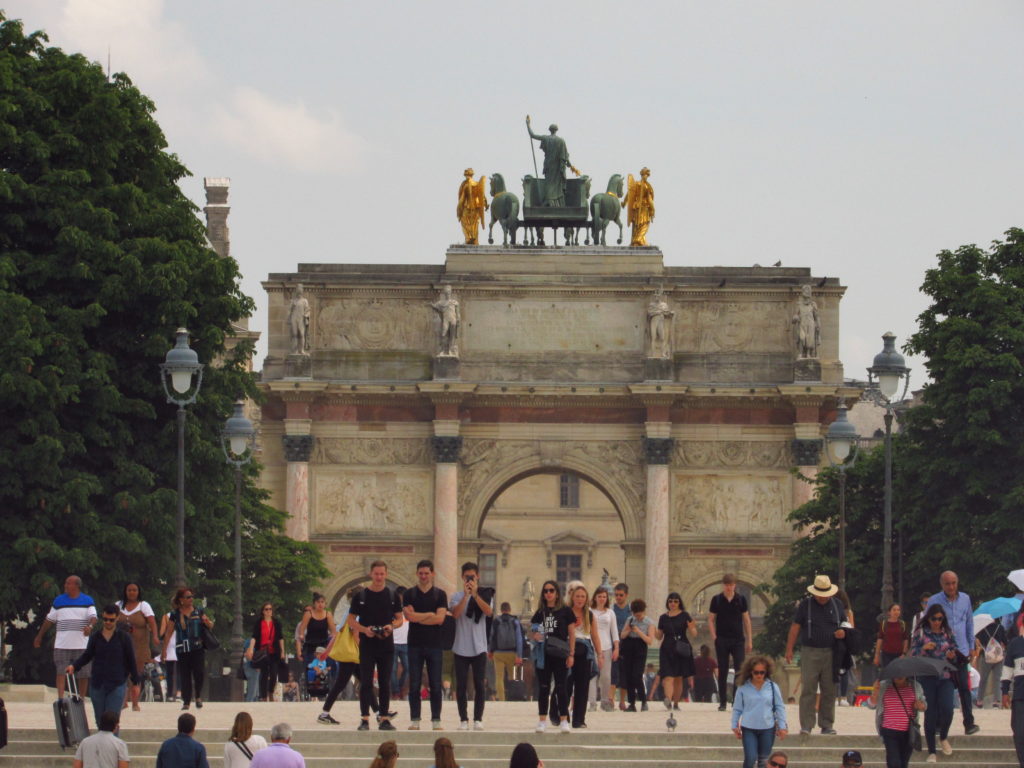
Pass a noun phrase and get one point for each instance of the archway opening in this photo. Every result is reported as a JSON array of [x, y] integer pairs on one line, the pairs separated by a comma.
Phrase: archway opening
[[549, 523]]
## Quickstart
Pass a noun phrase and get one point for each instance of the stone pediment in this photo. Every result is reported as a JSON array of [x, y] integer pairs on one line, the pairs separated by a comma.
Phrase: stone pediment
[[571, 541]]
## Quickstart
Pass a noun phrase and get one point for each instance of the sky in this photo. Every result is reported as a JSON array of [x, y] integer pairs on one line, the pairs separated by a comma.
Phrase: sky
[[858, 139]]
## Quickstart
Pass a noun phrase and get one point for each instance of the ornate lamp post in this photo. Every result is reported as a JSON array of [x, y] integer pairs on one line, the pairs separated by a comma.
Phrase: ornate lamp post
[[236, 440], [842, 442], [883, 384], [180, 365]]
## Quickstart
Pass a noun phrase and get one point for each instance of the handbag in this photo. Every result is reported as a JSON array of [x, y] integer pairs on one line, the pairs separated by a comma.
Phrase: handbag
[[682, 648], [345, 648], [914, 726], [260, 659], [556, 647], [210, 641]]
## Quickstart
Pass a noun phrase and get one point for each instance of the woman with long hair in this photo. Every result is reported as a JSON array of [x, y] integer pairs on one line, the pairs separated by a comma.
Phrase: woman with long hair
[[169, 655], [675, 628], [554, 632], [186, 625], [525, 756], [387, 755], [316, 629], [268, 642], [243, 743], [137, 617], [444, 754], [606, 631], [934, 639], [758, 710], [588, 651]]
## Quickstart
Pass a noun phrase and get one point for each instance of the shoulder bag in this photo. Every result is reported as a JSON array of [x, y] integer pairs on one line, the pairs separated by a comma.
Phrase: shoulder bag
[[245, 750], [914, 726], [556, 647]]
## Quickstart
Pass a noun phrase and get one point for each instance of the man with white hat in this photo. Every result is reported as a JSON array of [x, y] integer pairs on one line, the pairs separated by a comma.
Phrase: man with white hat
[[817, 622]]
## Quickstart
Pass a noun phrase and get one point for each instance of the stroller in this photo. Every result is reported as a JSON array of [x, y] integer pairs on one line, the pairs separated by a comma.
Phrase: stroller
[[152, 681], [316, 681]]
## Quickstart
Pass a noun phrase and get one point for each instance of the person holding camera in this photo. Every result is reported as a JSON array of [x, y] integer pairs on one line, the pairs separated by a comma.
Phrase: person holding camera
[[637, 635], [470, 606], [374, 615]]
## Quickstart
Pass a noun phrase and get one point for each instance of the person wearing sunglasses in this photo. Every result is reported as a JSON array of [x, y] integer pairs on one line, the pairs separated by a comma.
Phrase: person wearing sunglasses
[[114, 659], [758, 710], [186, 626], [934, 639], [778, 760], [555, 621], [268, 642]]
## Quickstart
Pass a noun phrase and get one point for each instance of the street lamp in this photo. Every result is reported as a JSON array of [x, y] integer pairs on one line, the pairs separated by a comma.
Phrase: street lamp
[[842, 442], [883, 384], [180, 365], [236, 440]]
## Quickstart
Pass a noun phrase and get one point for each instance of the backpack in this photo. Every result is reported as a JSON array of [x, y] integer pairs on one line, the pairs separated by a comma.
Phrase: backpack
[[505, 632], [994, 651]]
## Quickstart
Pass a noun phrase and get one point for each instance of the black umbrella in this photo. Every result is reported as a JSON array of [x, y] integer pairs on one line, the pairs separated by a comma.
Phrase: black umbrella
[[915, 666]]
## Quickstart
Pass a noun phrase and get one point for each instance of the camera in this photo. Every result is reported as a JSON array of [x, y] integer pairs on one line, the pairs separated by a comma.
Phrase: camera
[[380, 631]]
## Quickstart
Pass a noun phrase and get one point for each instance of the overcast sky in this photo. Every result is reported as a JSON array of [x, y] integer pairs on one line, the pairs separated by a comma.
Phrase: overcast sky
[[854, 138]]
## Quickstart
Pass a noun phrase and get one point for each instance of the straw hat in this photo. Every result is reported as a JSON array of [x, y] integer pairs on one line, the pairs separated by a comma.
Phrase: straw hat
[[822, 586]]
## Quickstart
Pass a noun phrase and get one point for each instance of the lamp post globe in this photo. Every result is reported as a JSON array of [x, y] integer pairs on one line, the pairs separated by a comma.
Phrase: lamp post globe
[[237, 440], [180, 366]]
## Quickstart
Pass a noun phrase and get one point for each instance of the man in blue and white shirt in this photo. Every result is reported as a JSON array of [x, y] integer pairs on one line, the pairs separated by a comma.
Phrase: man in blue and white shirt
[[957, 606], [471, 606], [74, 615]]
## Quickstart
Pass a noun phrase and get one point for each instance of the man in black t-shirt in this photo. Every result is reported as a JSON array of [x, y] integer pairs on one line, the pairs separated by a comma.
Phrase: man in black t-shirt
[[425, 607], [374, 615], [729, 623]]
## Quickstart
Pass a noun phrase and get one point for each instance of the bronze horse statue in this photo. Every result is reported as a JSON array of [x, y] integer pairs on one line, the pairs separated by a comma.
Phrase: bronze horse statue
[[504, 209], [606, 207]]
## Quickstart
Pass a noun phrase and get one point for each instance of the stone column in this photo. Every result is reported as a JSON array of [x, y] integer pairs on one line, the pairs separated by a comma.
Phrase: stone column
[[446, 510], [656, 587], [297, 449]]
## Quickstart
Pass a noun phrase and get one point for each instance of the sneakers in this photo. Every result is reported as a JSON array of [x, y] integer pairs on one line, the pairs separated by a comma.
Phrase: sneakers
[[414, 725], [972, 729], [805, 731], [721, 707], [630, 708], [325, 717], [828, 731], [565, 727], [542, 726], [464, 725], [364, 725], [436, 725], [592, 707], [607, 706], [931, 758], [947, 748], [385, 725], [643, 706], [478, 725]]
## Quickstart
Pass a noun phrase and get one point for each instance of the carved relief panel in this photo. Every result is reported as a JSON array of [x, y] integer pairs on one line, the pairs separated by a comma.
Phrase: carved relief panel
[[349, 324], [709, 327], [732, 453], [372, 450], [730, 504], [372, 501]]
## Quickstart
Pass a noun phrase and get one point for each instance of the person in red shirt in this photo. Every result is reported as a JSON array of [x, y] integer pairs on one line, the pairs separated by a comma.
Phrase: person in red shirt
[[893, 637]]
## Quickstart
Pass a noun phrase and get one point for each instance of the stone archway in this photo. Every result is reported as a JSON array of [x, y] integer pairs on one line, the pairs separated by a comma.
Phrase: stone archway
[[488, 467]]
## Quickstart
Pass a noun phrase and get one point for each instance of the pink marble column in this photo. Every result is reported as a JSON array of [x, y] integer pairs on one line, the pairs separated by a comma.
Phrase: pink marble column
[[803, 491], [297, 501], [297, 450], [446, 512], [656, 534]]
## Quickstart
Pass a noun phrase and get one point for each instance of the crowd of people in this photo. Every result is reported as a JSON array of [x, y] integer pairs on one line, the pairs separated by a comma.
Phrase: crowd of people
[[584, 649]]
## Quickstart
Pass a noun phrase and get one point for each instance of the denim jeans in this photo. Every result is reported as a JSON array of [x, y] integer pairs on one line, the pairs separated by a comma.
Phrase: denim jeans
[[898, 747], [106, 700], [938, 693], [757, 745], [433, 658], [252, 681], [401, 655]]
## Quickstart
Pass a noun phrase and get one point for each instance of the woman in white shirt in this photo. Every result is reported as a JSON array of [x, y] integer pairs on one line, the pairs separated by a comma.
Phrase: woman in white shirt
[[607, 632], [170, 658], [243, 744]]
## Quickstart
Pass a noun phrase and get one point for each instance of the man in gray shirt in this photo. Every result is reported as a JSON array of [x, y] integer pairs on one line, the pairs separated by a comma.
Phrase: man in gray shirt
[[103, 749], [471, 607]]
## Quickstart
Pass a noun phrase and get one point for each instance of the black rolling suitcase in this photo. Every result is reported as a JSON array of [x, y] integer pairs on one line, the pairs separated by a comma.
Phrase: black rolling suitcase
[[69, 715], [3, 725]]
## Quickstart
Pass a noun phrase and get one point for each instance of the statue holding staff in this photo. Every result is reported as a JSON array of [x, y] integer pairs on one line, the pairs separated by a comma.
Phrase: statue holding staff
[[556, 160], [639, 203]]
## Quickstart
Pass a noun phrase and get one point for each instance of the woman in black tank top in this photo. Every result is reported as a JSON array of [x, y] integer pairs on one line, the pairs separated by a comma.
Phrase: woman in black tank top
[[317, 628]]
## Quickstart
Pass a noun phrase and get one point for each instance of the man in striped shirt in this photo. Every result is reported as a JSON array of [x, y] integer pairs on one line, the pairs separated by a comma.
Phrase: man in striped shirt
[[74, 615]]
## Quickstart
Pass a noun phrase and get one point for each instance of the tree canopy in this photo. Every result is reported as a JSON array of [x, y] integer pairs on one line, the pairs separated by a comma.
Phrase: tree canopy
[[958, 486], [101, 258]]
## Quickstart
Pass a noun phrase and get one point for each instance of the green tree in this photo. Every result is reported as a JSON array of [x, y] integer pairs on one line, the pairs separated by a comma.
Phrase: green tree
[[101, 258]]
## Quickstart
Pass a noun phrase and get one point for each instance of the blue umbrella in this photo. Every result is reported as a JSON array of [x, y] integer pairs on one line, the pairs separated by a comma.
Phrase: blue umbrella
[[1001, 606]]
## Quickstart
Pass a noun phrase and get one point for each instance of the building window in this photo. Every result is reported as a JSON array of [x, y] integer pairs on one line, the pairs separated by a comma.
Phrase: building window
[[569, 491], [489, 570], [568, 568]]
